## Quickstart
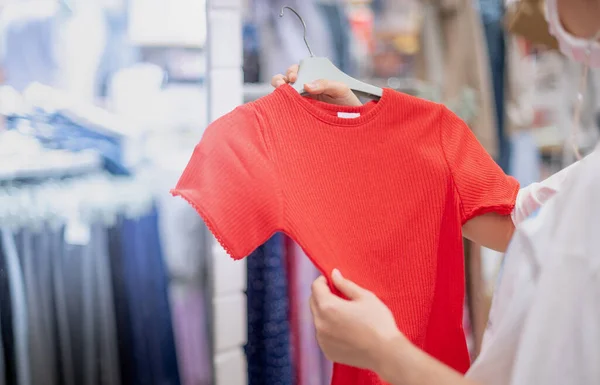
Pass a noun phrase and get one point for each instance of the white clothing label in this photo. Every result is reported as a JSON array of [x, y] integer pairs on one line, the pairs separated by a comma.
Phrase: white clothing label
[[77, 233], [348, 115]]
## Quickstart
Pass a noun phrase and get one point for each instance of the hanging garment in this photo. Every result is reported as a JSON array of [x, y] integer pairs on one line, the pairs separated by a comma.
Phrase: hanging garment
[[191, 333], [186, 243], [455, 58], [326, 369], [351, 185], [306, 352], [520, 88], [37, 271], [465, 62], [142, 303], [490, 10], [84, 306], [79, 292], [525, 162], [184, 239], [19, 308], [268, 349], [122, 304], [339, 30], [65, 340], [547, 294], [496, 49], [294, 309], [106, 332], [6, 327], [2, 366]]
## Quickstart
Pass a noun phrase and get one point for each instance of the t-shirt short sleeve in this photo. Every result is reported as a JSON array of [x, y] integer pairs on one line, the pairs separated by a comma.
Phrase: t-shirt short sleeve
[[481, 185], [232, 183]]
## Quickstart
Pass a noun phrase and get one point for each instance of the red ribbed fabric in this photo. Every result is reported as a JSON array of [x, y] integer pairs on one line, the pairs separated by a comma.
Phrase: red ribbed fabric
[[381, 196]]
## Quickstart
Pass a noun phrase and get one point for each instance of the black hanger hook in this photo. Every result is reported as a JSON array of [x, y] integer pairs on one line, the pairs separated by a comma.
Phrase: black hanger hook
[[303, 25]]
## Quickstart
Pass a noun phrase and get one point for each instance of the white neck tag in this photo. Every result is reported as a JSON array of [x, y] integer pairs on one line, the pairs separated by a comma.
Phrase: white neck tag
[[348, 115]]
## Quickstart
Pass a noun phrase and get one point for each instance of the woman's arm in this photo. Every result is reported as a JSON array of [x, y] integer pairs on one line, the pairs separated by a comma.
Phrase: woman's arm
[[402, 363], [361, 332], [490, 230]]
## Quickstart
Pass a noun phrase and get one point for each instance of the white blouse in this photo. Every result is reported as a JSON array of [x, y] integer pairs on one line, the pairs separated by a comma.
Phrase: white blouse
[[545, 320]]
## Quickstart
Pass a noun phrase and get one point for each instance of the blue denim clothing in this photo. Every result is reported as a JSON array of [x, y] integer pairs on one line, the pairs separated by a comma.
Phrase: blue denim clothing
[[19, 307], [2, 368], [491, 11], [88, 314], [37, 260], [492, 15], [146, 340], [339, 26], [269, 349], [496, 44], [6, 321]]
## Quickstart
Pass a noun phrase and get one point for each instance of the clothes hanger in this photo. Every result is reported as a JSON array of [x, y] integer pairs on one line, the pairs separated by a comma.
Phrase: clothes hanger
[[314, 68]]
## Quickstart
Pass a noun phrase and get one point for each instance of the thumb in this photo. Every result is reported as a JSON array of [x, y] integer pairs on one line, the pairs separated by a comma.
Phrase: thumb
[[351, 290], [327, 87]]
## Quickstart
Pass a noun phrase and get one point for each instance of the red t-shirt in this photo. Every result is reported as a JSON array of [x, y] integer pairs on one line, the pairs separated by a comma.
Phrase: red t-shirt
[[379, 191]]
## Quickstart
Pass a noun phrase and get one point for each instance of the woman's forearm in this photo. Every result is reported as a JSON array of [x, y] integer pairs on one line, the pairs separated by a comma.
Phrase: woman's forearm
[[491, 230], [402, 363]]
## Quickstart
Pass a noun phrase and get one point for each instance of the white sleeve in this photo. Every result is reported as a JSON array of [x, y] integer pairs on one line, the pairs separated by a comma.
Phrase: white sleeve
[[560, 340], [535, 195]]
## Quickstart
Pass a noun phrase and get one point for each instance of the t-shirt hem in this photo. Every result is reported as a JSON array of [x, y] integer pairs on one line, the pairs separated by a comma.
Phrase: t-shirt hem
[[210, 223], [500, 209]]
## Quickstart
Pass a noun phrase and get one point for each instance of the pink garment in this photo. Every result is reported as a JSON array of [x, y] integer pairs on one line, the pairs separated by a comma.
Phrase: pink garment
[[326, 370], [293, 308], [191, 335], [306, 352]]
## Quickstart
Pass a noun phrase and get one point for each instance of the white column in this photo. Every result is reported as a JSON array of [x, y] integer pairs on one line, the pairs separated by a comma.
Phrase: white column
[[225, 92]]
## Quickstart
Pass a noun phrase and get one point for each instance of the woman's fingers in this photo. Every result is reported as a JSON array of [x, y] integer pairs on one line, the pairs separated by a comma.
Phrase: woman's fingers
[[278, 80], [327, 87], [290, 76], [350, 289], [292, 73]]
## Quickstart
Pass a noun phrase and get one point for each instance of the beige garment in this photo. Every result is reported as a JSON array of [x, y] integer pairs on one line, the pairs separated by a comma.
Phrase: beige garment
[[465, 63], [519, 89]]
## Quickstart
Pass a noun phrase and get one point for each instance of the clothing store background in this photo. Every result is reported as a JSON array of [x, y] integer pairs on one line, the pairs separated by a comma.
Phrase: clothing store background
[[105, 278]]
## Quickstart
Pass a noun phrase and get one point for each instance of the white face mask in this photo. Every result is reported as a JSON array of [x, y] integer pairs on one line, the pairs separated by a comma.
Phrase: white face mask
[[577, 49]]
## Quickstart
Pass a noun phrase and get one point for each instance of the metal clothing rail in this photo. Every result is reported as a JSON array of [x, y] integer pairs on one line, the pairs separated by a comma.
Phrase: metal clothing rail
[[80, 201]]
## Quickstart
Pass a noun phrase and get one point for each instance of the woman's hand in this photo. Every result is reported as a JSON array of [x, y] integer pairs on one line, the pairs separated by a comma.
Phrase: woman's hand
[[361, 332], [356, 331], [324, 90]]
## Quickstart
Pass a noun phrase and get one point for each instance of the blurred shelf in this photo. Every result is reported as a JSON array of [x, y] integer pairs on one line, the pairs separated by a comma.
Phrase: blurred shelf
[[54, 164]]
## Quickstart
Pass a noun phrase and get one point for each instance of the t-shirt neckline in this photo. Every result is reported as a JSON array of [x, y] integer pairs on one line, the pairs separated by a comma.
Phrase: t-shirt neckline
[[329, 112]]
